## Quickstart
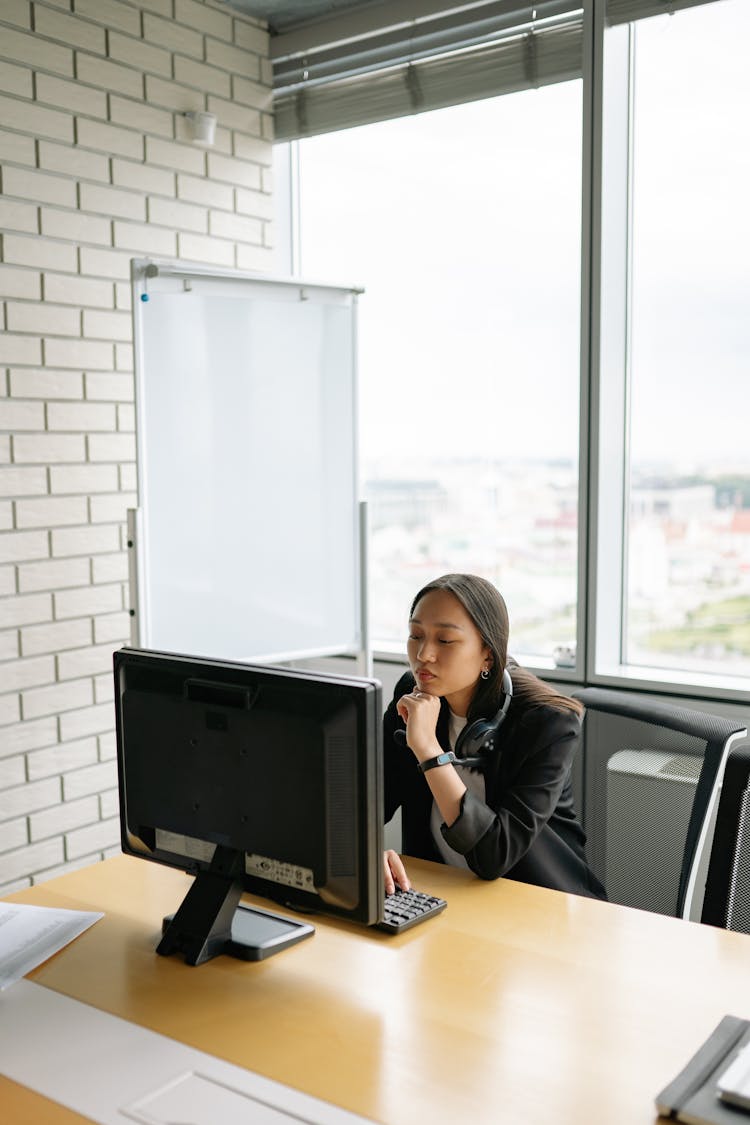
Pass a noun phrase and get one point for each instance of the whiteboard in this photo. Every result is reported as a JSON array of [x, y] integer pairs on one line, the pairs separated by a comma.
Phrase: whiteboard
[[247, 538]]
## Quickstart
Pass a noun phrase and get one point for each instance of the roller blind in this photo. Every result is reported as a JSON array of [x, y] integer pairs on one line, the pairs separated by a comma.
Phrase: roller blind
[[476, 52], [623, 11]]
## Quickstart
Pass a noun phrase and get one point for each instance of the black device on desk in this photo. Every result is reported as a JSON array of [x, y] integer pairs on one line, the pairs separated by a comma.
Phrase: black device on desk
[[252, 778]]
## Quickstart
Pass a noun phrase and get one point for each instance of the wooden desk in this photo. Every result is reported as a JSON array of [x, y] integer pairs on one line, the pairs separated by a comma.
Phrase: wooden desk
[[516, 1004]]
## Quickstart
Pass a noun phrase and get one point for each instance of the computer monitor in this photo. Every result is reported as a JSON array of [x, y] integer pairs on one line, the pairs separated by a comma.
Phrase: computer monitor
[[250, 777]]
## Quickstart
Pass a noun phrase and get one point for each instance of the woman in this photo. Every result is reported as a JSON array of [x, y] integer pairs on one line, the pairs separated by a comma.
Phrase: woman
[[511, 811]]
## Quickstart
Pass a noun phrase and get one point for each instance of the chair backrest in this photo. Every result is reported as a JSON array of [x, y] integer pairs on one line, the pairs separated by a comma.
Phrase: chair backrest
[[652, 776], [727, 898]]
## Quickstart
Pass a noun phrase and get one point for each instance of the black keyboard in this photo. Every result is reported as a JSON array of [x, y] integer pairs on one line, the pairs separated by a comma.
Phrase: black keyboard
[[405, 908]]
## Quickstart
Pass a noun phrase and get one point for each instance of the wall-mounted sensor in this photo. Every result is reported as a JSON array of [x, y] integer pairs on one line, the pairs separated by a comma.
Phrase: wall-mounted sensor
[[202, 127]]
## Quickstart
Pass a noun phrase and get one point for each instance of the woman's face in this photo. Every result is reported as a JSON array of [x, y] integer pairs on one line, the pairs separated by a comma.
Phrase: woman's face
[[445, 649]]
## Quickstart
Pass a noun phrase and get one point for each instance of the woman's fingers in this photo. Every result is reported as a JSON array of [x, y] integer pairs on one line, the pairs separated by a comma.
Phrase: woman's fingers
[[394, 872]]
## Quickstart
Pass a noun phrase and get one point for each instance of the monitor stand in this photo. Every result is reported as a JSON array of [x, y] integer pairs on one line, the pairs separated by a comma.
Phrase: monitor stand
[[202, 926]]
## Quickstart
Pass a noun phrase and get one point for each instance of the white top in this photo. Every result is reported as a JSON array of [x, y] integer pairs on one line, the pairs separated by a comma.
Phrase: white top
[[473, 779]]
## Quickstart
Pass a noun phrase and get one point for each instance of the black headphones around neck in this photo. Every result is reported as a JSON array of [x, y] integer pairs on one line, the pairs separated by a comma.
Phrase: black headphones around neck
[[477, 738]]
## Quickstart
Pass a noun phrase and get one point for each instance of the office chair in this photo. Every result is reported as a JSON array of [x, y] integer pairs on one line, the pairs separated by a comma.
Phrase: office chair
[[727, 899], [652, 777]]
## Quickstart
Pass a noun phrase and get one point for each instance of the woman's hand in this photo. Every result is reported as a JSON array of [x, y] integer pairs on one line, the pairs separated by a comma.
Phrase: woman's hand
[[420, 712], [395, 872]]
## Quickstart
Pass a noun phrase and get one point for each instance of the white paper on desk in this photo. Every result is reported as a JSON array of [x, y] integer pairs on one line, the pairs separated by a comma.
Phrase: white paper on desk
[[31, 934]]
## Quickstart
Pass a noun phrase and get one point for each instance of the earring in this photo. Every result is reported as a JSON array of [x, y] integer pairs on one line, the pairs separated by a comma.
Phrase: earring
[[485, 673]]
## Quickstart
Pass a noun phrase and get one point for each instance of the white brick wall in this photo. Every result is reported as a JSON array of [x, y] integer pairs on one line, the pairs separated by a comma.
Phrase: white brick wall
[[95, 167]]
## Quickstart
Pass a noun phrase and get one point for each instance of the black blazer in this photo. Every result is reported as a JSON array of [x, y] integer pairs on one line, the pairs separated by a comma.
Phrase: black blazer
[[527, 829]]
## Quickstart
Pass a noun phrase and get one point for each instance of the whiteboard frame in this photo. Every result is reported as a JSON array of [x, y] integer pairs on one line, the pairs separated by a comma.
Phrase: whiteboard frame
[[143, 270]]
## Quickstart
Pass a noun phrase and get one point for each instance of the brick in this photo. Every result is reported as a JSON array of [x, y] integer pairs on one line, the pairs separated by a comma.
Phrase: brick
[[74, 225], [202, 18], [111, 13], [112, 628], [57, 512], [170, 154], [143, 239], [20, 674], [23, 799], [15, 282], [7, 580], [86, 601], [198, 248], [21, 416], [236, 59], [55, 637], [16, 80], [43, 448], [140, 55], [38, 53], [47, 319], [124, 357], [17, 482], [109, 138], [70, 814], [255, 203], [90, 661], [19, 349], [17, 12], [155, 181], [74, 161], [108, 75], [112, 202], [238, 227], [68, 29], [181, 216], [10, 712], [139, 116], [38, 120], [123, 297], [71, 95], [235, 116], [107, 325], [172, 95], [28, 736], [17, 148], [38, 186], [78, 354], [29, 859], [104, 263], [111, 447], [46, 383], [109, 804], [87, 540], [13, 834], [202, 77], [9, 644], [110, 568], [56, 698], [6, 516], [252, 148], [92, 779], [19, 216], [78, 290], [104, 688], [97, 837], [251, 38], [254, 258], [234, 171], [200, 190], [160, 7], [109, 387], [12, 772], [22, 546], [258, 95], [112, 509], [125, 418], [80, 416], [53, 574], [83, 479], [172, 36], [39, 252]]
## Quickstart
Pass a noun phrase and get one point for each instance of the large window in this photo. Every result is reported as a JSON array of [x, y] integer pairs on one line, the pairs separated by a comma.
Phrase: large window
[[463, 226], [686, 575]]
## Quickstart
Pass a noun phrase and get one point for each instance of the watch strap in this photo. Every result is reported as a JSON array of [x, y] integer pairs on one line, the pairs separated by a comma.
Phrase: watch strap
[[443, 759]]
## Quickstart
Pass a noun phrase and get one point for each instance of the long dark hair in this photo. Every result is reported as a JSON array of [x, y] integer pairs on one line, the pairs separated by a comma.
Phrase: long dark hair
[[486, 607]]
